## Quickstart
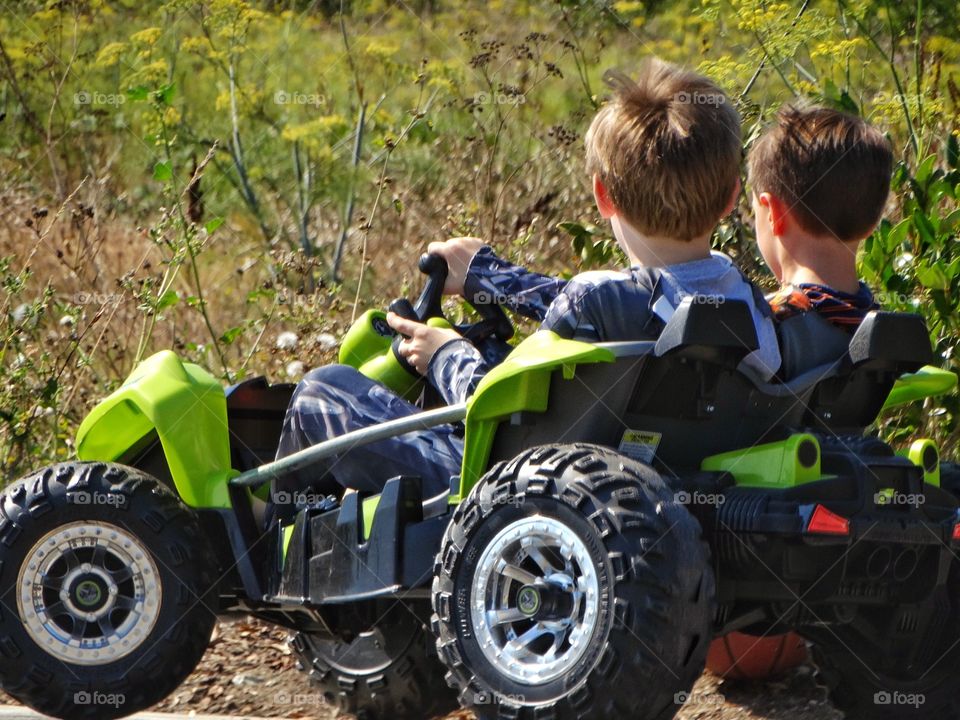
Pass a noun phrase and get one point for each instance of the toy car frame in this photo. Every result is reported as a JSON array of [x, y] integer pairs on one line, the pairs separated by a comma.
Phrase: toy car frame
[[619, 505]]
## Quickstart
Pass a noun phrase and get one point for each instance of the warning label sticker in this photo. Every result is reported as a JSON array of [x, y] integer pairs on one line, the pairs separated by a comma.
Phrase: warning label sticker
[[640, 444]]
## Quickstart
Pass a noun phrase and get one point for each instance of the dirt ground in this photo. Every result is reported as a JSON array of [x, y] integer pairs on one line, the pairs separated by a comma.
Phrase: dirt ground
[[249, 670]]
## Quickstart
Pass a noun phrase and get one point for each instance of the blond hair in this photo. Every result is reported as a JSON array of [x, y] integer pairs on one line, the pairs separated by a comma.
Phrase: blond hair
[[667, 149]]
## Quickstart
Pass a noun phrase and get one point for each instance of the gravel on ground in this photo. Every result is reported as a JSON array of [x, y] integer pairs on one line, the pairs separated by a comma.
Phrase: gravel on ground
[[249, 670]]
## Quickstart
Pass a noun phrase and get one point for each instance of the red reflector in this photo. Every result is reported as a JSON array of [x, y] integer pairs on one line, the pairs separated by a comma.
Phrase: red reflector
[[824, 522], [956, 531]]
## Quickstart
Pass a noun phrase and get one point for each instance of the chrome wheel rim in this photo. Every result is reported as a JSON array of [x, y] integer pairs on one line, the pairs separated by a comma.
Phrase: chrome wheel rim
[[89, 593], [534, 600]]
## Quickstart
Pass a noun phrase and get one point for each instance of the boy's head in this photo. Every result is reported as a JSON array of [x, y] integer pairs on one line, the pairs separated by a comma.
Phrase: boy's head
[[665, 152], [818, 175]]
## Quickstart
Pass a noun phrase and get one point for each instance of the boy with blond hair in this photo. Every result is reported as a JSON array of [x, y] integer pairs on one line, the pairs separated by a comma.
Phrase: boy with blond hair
[[663, 156]]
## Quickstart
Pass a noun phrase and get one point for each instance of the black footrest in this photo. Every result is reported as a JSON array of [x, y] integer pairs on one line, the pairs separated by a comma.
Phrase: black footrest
[[343, 562]]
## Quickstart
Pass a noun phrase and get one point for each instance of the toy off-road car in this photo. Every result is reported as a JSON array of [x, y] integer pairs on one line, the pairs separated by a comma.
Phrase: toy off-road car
[[619, 505]]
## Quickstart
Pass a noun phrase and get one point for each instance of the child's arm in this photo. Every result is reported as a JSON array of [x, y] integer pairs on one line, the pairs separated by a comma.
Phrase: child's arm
[[450, 363], [481, 276], [456, 366], [525, 292], [455, 370]]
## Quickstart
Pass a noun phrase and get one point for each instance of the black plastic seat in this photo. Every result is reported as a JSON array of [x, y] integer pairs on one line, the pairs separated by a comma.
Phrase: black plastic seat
[[255, 412], [702, 328], [898, 342], [884, 347], [809, 341], [683, 395], [686, 399]]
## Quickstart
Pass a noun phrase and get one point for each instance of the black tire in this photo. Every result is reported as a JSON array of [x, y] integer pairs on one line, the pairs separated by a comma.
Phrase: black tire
[[656, 589], [72, 500], [895, 663], [389, 670]]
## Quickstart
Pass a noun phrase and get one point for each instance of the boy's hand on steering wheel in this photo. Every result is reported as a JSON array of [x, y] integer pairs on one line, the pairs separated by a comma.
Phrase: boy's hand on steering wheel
[[458, 252], [420, 341]]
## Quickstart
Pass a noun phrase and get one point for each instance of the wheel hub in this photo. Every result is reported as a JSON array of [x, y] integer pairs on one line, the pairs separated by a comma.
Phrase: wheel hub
[[528, 600], [88, 593], [534, 600]]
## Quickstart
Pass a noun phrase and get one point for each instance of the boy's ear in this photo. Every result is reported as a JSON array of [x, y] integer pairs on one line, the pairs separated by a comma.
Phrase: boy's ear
[[602, 197], [779, 213]]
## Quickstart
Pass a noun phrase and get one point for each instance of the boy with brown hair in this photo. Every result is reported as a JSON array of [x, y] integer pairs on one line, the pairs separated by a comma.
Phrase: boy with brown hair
[[664, 157], [820, 180]]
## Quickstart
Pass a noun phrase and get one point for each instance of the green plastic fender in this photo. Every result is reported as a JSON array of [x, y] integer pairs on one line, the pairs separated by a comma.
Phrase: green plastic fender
[[520, 383], [187, 407], [926, 382]]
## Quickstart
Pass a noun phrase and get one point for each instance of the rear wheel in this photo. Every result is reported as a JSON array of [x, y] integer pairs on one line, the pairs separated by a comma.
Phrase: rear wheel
[[896, 663], [572, 584], [389, 669], [950, 478], [105, 578]]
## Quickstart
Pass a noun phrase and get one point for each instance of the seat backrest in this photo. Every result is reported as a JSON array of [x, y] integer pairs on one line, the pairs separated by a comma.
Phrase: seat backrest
[[686, 399], [255, 413], [894, 341], [808, 341], [884, 347], [673, 406], [709, 328]]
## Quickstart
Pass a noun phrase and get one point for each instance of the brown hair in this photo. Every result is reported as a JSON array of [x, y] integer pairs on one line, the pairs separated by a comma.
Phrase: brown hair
[[830, 168], [667, 149]]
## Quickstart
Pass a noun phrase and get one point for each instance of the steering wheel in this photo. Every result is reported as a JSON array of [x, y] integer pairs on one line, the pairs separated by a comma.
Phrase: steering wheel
[[493, 322]]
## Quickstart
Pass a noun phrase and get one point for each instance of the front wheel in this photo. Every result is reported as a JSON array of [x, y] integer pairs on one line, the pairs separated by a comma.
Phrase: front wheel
[[105, 578], [572, 584]]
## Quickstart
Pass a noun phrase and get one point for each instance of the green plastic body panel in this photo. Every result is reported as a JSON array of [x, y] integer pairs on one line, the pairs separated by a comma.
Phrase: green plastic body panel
[[928, 381], [369, 506], [772, 465], [915, 453], [187, 407], [520, 383], [370, 352], [287, 537]]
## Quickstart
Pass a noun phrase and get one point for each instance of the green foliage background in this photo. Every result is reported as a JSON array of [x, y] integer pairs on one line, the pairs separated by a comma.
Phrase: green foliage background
[[188, 173]]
